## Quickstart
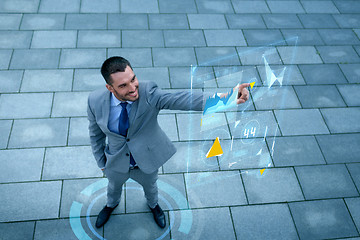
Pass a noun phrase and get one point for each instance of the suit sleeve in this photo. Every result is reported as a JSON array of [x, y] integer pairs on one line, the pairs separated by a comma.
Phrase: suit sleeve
[[184, 100], [97, 138]]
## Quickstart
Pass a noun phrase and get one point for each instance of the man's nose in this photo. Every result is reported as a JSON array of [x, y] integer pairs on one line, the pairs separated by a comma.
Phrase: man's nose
[[132, 87]]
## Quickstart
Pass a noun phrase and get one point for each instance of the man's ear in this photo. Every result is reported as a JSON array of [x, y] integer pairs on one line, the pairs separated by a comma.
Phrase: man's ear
[[109, 87]]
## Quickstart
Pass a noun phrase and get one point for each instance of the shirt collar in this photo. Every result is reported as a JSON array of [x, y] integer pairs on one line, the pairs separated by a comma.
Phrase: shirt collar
[[116, 102]]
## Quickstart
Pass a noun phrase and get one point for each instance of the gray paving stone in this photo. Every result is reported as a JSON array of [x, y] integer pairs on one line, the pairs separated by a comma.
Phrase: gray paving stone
[[340, 148], [254, 55], [250, 6], [139, 6], [5, 127], [100, 6], [99, 38], [319, 96], [25, 105], [191, 157], [70, 104], [203, 226], [213, 189], [274, 185], [338, 54], [353, 204], [322, 74], [35, 59], [357, 49], [319, 7], [62, 229], [138, 226], [338, 36], [318, 21], [5, 56], [292, 75], [42, 21], [21, 6], [207, 21], [301, 122], [217, 56], [230, 77], [158, 75], [347, 20], [302, 37], [10, 81], [138, 57], [295, 151], [275, 98], [164, 57], [171, 194], [299, 55], [54, 39], [189, 127], [78, 132], [285, 7], [338, 181], [180, 77], [357, 32], [47, 80], [266, 120], [278, 20], [184, 38], [10, 21], [168, 124], [342, 120], [244, 21], [142, 38], [248, 226], [82, 58], [348, 6], [354, 169], [15, 39], [244, 153], [88, 80], [350, 94], [173, 6], [29, 201], [74, 191], [65, 6], [39, 133], [85, 21], [21, 165], [17, 230], [322, 219], [127, 21], [59, 163], [214, 6], [263, 37], [168, 21]]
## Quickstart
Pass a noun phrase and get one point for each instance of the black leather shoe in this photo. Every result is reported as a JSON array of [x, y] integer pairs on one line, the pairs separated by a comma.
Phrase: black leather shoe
[[159, 216], [104, 216]]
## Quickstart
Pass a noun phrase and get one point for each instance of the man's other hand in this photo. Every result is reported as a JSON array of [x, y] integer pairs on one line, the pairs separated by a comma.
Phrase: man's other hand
[[243, 93]]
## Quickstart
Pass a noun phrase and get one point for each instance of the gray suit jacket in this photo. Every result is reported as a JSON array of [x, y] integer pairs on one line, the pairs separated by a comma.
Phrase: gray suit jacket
[[146, 141]]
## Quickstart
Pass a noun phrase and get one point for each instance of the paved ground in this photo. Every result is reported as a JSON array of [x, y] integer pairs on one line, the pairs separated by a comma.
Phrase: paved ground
[[51, 51]]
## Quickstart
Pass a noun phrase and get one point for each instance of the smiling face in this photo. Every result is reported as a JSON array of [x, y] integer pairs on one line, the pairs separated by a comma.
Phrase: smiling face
[[124, 85]]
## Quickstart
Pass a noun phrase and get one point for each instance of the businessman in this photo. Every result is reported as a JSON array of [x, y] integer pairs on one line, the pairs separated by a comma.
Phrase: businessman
[[125, 112]]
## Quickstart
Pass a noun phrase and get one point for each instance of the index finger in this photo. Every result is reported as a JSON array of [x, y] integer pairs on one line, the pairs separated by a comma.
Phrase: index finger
[[243, 85]]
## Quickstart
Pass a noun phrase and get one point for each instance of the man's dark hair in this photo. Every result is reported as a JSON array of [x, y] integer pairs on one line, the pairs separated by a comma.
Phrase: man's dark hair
[[113, 65]]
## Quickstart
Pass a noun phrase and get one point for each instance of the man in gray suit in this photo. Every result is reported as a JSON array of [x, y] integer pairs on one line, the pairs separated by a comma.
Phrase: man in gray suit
[[126, 114]]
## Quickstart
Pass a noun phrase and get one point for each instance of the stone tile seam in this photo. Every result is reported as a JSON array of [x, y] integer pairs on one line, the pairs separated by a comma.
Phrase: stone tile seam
[[195, 208]]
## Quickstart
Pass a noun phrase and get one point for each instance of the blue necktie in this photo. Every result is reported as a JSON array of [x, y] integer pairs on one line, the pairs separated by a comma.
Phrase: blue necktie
[[124, 125]]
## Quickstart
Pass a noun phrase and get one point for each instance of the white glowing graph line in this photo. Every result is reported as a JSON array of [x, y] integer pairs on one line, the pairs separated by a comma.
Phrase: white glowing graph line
[[270, 75]]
